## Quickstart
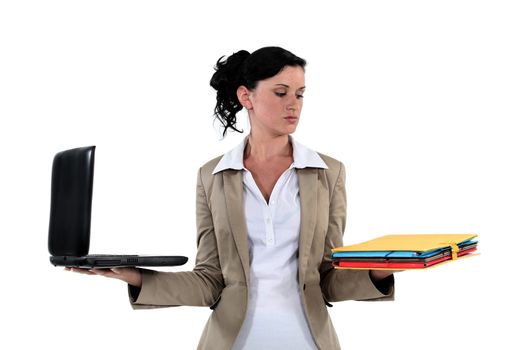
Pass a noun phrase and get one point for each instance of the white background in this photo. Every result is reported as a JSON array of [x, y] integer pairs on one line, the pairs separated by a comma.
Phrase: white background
[[422, 100]]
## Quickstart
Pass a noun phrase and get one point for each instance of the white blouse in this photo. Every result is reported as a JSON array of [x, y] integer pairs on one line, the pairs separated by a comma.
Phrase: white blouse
[[275, 317]]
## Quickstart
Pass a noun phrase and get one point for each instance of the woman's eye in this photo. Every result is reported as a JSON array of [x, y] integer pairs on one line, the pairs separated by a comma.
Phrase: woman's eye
[[280, 94], [300, 96]]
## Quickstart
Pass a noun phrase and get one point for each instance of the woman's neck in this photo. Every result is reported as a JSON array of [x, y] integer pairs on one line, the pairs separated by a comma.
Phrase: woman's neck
[[262, 148]]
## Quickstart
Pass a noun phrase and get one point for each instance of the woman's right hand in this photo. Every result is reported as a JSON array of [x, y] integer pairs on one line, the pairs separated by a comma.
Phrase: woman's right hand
[[130, 275]]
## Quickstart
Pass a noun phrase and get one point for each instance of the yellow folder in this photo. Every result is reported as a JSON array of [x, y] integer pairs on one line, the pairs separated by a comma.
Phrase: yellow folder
[[408, 242]]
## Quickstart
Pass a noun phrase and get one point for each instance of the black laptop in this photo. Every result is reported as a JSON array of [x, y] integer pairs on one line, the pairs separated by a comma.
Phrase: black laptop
[[70, 218]]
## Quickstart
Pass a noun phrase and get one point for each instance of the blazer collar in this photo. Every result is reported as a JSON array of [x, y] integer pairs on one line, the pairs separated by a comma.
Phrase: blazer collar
[[303, 157]]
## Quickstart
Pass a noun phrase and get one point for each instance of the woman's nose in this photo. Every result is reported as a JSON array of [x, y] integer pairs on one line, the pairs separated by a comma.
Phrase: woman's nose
[[292, 105]]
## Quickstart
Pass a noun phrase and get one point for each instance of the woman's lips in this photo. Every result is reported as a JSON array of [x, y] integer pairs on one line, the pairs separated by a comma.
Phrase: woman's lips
[[291, 119]]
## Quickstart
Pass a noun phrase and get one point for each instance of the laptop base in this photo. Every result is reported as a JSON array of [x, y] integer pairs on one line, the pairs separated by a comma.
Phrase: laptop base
[[111, 261]]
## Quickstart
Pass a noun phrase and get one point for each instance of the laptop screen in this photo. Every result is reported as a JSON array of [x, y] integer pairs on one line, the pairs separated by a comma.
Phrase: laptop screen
[[71, 194]]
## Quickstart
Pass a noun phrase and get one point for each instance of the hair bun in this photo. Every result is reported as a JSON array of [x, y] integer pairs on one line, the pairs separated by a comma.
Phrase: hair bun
[[226, 80], [228, 72]]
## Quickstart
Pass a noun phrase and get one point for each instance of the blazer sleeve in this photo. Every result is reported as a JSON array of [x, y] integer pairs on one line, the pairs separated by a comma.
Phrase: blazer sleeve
[[340, 284], [200, 287]]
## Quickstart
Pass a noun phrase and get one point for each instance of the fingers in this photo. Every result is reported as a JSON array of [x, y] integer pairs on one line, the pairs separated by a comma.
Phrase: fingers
[[121, 270], [79, 270], [100, 272], [118, 273], [130, 275], [117, 270]]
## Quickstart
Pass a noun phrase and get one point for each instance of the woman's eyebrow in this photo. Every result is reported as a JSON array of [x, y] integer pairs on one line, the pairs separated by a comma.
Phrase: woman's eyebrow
[[287, 86]]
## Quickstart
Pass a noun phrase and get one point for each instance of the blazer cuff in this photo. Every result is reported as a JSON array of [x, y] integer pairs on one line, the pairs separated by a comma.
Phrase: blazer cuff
[[385, 286], [137, 295], [133, 293]]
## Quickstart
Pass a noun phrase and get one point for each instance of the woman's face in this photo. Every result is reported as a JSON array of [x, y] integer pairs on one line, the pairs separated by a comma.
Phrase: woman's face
[[276, 102]]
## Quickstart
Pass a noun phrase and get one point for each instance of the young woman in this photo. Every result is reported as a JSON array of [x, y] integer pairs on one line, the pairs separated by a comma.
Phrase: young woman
[[268, 213]]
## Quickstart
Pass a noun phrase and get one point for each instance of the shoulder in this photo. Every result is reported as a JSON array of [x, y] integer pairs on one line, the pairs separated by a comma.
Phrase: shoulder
[[335, 175], [335, 167], [210, 165], [206, 170], [332, 163]]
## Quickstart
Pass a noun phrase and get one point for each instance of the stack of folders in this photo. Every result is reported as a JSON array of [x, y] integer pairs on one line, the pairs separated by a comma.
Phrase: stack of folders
[[406, 251]]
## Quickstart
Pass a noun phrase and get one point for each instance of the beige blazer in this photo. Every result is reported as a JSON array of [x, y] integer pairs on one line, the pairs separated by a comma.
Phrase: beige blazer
[[221, 274]]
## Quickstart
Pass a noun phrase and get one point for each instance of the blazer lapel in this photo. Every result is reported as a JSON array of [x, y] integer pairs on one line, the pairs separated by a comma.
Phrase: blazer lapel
[[308, 197], [233, 190]]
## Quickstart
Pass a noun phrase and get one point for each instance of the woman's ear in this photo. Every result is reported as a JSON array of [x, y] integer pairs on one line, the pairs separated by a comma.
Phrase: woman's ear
[[243, 94]]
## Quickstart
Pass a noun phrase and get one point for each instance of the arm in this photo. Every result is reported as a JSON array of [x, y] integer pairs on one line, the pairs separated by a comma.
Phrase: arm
[[338, 285]]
